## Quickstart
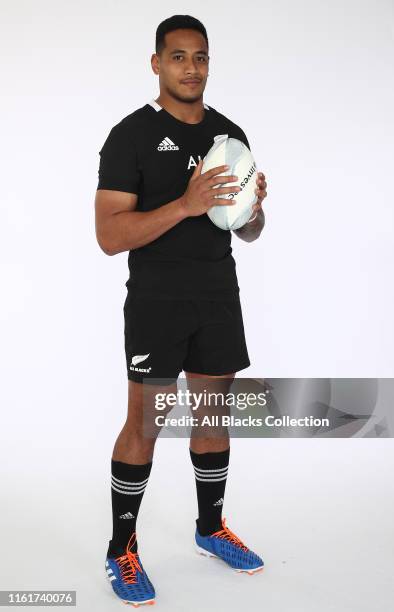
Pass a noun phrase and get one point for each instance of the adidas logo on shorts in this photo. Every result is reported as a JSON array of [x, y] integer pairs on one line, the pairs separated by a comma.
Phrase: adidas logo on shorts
[[167, 145], [219, 502]]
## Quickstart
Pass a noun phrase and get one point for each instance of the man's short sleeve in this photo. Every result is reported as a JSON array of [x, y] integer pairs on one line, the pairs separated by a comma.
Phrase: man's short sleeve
[[118, 168], [242, 137]]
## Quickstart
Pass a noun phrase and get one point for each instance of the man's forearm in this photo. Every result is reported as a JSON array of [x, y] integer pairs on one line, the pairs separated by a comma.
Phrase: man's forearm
[[252, 230], [130, 230]]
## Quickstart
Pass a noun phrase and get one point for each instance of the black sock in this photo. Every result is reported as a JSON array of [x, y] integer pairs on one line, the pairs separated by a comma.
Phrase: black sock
[[210, 470], [127, 489]]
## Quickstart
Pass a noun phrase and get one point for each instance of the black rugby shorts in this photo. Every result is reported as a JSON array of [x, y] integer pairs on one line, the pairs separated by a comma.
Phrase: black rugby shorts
[[163, 337]]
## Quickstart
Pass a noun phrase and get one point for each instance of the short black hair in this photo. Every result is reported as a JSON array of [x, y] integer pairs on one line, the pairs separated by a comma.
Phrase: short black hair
[[177, 22]]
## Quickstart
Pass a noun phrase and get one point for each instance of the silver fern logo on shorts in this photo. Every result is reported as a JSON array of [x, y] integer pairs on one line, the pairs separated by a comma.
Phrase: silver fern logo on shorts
[[136, 359]]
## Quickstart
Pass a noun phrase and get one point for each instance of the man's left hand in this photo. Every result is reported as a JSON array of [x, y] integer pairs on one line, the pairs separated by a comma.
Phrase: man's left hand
[[261, 191]]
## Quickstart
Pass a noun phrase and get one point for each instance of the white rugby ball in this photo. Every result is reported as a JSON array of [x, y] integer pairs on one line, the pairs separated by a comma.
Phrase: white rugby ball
[[234, 153]]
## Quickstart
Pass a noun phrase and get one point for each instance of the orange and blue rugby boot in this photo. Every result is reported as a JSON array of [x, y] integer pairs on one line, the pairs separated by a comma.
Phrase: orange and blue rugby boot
[[225, 545], [128, 578]]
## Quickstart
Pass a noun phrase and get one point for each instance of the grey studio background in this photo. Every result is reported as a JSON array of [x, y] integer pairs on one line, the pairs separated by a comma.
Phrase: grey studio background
[[310, 82]]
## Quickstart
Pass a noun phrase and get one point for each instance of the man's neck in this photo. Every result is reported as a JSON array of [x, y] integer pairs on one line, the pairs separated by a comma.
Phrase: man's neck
[[187, 112]]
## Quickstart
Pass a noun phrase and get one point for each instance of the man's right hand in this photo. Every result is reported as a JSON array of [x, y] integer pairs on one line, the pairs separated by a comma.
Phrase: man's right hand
[[200, 194]]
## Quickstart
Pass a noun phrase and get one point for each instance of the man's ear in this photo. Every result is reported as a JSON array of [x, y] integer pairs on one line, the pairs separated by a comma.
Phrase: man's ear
[[155, 63]]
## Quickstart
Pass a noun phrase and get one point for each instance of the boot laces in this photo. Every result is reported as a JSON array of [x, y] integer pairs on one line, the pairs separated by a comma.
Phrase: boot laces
[[229, 536], [129, 563]]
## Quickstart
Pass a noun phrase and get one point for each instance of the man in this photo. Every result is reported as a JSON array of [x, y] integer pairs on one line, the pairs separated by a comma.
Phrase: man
[[183, 309]]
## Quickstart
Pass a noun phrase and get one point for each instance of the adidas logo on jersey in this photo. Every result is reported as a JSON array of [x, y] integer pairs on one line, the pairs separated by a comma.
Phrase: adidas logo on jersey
[[128, 515], [219, 502], [167, 145]]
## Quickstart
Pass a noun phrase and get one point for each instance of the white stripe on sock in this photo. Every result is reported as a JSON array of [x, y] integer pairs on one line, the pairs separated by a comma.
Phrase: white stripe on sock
[[211, 479], [218, 471], [126, 489], [126, 482], [127, 492]]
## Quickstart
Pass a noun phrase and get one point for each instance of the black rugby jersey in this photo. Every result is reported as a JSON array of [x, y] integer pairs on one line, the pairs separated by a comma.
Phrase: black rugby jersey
[[153, 154]]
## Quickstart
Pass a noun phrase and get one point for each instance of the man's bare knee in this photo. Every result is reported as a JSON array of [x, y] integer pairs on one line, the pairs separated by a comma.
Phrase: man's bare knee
[[140, 428]]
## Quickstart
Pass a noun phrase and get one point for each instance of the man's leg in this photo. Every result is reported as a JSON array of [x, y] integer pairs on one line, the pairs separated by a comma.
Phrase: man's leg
[[210, 457], [131, 465], [131, 446], [155, 345]]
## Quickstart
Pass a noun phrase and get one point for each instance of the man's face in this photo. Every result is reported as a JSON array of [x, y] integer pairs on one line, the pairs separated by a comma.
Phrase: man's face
[[183, 65]]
